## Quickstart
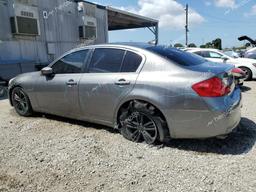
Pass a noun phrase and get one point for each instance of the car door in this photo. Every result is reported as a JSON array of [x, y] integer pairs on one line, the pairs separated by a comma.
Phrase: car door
[[58, 93], [111, 75]]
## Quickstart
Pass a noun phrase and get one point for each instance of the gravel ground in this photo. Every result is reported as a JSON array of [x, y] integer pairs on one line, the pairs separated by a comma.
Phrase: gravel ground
[[47, 153]]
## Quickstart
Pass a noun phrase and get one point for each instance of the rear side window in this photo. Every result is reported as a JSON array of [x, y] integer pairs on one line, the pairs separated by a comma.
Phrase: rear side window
[[177, 56], [106, 60], [199, 53], [205, 54], [131, 62], [71, 63]]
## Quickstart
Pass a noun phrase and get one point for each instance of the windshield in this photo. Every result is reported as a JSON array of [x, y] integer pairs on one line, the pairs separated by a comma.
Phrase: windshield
[[177, 56], [231, 54]]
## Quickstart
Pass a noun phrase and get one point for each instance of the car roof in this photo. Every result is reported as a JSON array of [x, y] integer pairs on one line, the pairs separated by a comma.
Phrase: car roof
[[124, 44], [128, 45]]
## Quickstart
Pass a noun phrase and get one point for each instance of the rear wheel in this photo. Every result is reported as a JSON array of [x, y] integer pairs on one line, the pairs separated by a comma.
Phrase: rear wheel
[[140, 121], [21, 102], [248, 73]]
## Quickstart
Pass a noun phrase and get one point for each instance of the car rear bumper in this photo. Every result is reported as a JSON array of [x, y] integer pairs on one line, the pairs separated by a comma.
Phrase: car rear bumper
[[225, 122], [208, 123]]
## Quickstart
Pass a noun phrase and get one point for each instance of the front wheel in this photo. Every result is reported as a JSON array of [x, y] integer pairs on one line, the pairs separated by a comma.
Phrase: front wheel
[[21, 102]]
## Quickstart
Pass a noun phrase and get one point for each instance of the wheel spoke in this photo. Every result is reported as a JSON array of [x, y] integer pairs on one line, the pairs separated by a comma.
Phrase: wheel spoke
[[150, 128], [141, 119], [130, 126], [135, 135], [149, 125], [133, 123], [24, 100], [23, 105], [17, 98], [18, 106], [147, 137], [137, 119]]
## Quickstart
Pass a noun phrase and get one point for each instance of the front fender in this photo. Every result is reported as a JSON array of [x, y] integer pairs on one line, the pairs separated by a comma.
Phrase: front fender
[[27, 82]]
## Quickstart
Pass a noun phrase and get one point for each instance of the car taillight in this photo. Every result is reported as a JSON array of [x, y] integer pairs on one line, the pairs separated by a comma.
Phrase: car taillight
[[213, 87]]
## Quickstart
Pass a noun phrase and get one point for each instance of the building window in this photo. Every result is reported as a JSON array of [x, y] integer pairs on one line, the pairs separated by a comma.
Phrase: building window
[[87, 32]]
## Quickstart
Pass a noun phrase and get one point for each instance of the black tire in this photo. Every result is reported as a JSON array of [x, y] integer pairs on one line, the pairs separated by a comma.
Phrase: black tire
[[21, 102], [141, 122], [248, 73]]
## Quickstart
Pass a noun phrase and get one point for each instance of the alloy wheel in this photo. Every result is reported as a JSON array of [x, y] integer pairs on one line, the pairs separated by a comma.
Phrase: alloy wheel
[[140, 126], [20, 101]]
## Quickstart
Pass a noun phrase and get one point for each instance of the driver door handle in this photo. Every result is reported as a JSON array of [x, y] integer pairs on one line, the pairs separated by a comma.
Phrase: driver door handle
[[71, 82], [122, 82]]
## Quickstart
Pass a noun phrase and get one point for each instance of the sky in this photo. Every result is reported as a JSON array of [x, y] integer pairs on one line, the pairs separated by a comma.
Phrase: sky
[[208, 20]]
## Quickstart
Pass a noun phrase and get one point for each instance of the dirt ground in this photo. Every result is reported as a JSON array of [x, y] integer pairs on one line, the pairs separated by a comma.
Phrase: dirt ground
[[46, 153]]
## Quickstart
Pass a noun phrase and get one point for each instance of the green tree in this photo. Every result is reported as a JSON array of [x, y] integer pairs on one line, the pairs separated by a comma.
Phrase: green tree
[[208, 45], [202, 46], [217, 44], [192, 45], [178, 45]]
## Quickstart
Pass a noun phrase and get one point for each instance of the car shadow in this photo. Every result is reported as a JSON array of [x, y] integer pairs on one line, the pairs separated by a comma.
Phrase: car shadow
[[240, 141], [245, 88], [77, 122]]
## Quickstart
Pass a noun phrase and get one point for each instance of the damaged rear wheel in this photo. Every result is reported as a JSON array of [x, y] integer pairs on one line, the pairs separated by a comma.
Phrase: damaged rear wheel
[[141, 122]]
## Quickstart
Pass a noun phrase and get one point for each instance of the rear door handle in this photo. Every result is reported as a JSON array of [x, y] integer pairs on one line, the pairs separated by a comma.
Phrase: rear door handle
[[122, 82], [71, 82]]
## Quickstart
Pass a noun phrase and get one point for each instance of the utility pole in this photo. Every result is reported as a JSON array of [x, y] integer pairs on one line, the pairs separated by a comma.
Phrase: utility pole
[[186, 26]]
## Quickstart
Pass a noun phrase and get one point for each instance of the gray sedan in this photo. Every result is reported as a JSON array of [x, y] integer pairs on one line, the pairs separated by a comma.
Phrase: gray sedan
[[149, 93]]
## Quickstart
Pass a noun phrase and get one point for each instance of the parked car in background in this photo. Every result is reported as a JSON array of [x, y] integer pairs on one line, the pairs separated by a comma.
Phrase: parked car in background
[[232, 54], [214, 55], [251, 53], [150, 93]]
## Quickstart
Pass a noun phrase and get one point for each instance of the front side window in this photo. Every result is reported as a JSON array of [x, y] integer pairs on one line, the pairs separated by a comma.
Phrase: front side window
[[131, 62], [71, 63], [106, 60]]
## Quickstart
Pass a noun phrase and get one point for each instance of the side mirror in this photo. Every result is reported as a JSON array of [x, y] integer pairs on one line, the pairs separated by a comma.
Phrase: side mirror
[[224, 58], [46, 71]]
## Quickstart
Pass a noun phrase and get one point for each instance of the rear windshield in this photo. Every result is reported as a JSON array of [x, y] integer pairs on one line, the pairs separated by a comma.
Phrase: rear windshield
[[177, 56]]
